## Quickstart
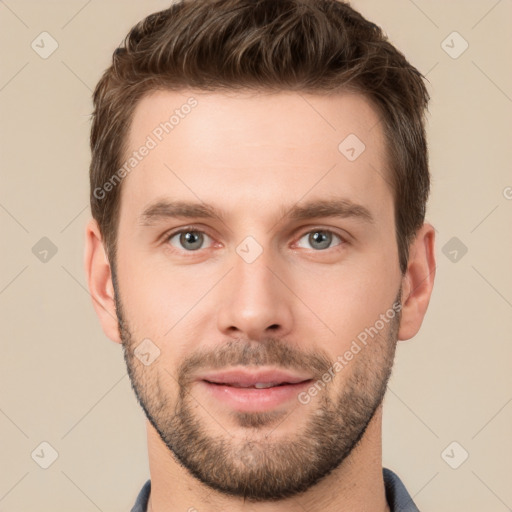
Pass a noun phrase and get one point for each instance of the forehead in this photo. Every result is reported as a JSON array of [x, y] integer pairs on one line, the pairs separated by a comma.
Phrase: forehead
[[254, 146]]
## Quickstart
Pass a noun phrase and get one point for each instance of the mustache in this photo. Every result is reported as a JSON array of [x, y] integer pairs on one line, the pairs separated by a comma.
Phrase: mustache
[[268, 352]]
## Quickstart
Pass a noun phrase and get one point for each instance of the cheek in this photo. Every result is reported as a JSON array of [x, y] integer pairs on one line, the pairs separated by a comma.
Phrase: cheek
[[341, 301], [159, 300]]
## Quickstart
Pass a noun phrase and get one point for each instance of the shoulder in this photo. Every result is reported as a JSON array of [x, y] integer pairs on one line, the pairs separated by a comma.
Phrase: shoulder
[[398, 498], [141, 503]]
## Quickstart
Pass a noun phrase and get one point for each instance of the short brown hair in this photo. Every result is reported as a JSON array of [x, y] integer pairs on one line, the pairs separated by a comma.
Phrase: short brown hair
[[316, 46]]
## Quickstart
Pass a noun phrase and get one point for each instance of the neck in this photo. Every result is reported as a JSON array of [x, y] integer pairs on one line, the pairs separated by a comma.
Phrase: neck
[[357, 484]]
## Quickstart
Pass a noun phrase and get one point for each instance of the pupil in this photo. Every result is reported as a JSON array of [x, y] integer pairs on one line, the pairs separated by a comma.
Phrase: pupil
[[192, 239], [320, 238]]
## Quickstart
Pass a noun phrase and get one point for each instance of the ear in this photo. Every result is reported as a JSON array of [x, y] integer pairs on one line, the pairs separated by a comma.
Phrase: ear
[[417, 282], [99, 278]]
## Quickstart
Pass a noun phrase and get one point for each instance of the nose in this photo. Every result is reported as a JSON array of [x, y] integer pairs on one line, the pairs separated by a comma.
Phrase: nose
[[253, 301]]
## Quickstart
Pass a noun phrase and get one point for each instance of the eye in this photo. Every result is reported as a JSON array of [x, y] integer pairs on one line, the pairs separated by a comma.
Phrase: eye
[[188, 239], [320, 239]]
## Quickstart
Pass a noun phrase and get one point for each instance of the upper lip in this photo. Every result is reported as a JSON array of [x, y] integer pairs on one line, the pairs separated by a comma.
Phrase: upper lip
[[247, 378]]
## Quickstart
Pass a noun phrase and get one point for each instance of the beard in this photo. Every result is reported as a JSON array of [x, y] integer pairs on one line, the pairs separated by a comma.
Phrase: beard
[[260, 466]]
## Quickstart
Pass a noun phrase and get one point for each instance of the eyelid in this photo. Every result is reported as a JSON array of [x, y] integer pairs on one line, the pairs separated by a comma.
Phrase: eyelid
[[304, 231], [184, 229], [344, 239]]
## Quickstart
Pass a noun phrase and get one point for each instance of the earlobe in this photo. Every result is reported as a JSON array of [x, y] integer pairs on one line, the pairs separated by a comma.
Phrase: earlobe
[[417, 282], [99, 279]]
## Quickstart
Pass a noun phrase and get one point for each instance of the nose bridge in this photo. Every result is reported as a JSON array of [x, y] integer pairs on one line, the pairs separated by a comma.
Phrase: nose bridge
[[252, 277], [253, 301]]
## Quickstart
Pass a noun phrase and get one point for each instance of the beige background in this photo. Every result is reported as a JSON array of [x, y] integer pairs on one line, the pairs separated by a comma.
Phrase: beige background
[[63, 382]]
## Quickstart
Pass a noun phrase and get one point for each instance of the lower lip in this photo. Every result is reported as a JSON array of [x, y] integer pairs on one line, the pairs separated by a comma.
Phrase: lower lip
[[252, 399]]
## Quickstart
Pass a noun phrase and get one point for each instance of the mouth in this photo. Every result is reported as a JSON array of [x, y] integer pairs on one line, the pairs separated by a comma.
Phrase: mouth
[[260, 379], [254, 391], [258, 385]]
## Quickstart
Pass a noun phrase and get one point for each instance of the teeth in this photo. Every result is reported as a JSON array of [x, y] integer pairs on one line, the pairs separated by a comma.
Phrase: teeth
[[258, 385]]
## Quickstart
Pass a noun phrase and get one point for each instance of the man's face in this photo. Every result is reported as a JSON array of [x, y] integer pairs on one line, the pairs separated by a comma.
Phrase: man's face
[[274, 281]]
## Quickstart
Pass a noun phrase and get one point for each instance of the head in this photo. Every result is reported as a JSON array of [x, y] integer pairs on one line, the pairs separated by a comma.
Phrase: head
[[274, 219]]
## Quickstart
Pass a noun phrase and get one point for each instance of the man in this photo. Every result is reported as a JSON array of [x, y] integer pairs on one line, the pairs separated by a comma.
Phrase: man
[[259, 179]]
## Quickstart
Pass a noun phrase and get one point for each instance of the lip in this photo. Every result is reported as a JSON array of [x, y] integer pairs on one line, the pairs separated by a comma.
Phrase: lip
[[252, 399], [219, 386], [246, 378]]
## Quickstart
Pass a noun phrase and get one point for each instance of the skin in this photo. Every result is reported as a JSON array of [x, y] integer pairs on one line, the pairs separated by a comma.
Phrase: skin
[[253, 157]]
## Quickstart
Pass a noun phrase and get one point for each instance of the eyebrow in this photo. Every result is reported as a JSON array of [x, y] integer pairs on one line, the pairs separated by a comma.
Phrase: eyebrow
[[341, 208], [163, 209]]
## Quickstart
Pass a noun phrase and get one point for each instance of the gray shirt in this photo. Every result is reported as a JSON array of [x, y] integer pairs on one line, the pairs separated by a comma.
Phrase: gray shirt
[[397, 496]]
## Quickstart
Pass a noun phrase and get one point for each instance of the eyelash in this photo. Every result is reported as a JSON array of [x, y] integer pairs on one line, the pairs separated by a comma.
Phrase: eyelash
[[167, 237]]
